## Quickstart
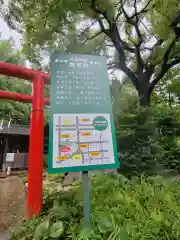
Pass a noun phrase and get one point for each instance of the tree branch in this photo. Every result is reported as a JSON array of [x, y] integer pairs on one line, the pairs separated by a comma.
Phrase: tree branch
[[165, 66], [97, 10], [92, 37], [112, 71], [111, 25], [140, 63], [119, 12], [103, 29], [130, 74], [143, 10], [113, 34], [166, 55], [127, 47], [134, 23], [112, 65], [87, 28], [115, 38], [158, 43]]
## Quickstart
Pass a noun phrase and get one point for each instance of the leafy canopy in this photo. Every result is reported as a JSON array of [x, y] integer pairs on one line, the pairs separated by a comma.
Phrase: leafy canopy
[[141, 38], [18, 111]]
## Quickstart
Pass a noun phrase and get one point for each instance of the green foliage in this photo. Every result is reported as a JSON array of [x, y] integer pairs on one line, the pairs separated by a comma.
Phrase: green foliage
[[137, 141], [162, 16], [168, 126], [54, 25], [147, 139], [168, 92], [45, 161], [173, 86], [124, 97], [140, 38], [141, 208], [55, 177], [9, 109], [18, 111]]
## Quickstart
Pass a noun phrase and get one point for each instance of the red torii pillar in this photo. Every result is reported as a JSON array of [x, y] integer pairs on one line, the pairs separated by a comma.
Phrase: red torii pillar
[[35, 161]]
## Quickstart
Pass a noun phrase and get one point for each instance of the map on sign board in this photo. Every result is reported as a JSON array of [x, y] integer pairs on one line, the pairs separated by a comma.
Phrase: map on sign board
[[82, 139], [82, 133]]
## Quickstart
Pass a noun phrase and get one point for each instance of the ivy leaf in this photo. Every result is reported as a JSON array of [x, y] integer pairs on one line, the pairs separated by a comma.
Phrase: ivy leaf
[[56, 230], [42, 231]]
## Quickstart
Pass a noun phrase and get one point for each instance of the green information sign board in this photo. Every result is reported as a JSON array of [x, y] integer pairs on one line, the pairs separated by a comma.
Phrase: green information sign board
[[82, 132]]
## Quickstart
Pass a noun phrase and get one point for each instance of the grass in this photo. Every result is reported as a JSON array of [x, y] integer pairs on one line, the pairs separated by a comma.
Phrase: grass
[[140, 209]]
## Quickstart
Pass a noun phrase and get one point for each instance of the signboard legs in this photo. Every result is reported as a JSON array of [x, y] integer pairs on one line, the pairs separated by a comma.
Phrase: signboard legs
[[86, 196]]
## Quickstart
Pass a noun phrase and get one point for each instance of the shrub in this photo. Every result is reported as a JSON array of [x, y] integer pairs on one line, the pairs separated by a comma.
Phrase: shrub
[[141, 208], [137, 140], [148, 138], [55, 177]]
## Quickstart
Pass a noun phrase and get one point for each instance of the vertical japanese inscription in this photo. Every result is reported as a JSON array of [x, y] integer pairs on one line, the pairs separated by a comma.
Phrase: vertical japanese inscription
[[78, 77]]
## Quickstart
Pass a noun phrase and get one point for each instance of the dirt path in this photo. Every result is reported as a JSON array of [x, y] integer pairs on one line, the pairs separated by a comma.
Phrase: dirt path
[[12, 202], [4, 236]]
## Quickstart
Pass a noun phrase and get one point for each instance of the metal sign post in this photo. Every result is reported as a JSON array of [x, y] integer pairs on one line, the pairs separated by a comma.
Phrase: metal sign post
[[86, 197]]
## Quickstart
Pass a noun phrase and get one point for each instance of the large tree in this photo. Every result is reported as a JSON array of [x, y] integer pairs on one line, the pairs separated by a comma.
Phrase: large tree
[[142, 36]]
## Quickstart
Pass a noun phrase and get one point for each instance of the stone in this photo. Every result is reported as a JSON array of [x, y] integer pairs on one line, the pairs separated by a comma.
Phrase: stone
[[12, 202], [4, 235], [75, 176], [70, 178]]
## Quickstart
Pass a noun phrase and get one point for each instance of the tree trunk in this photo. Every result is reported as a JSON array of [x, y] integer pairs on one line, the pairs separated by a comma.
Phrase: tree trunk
[[169, 100], [143, 89], [144, 99]]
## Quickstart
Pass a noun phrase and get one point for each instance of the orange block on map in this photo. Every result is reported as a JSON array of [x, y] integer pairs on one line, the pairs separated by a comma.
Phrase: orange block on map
[[84, 119], [95, 154], [66, 135], [83, 145], [86, 134], [61, 158]]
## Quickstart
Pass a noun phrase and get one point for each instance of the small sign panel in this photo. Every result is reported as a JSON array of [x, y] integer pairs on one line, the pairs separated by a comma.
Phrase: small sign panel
[[10, 157]]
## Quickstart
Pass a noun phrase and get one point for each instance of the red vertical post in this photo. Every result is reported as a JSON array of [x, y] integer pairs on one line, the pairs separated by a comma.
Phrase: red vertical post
[[35, 161]]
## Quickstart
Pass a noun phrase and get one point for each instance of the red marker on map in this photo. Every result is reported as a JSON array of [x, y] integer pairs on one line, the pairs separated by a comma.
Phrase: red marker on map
[[66, 149]]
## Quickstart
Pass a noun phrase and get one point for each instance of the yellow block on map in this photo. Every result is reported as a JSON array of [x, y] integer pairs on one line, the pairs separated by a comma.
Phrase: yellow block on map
[[95, 154], [86, 134], [67, 122], [61, 158], [83, 145], [66, 135], [77, 157], [84, 119]]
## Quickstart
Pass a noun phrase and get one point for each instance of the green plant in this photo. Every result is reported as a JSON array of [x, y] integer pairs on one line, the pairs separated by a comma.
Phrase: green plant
[[55, 177], [45, 161], [137, 209], [148, 139]]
